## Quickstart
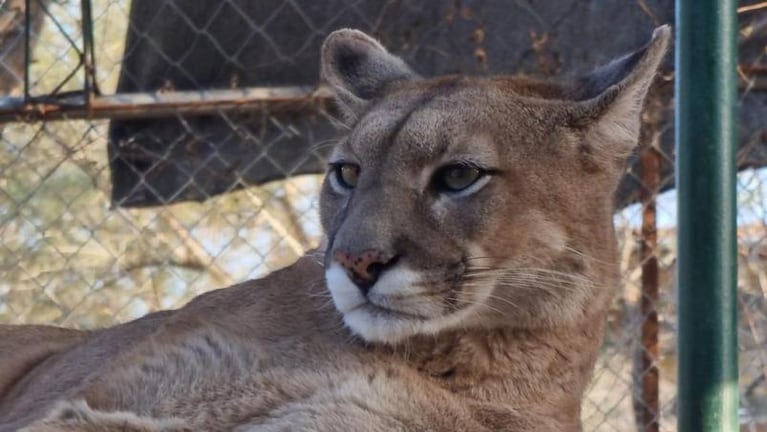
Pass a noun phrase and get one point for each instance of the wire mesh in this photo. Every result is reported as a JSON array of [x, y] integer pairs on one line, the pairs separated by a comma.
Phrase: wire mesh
[[71, 254]]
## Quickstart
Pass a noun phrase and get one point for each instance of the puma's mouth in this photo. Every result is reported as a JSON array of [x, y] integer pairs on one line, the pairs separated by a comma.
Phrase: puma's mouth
[[373, 310], [376, 324], [397, 307]]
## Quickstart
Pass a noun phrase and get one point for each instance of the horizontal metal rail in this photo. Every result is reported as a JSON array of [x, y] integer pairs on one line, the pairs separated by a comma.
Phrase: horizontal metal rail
[[161, 104], [77, 106]]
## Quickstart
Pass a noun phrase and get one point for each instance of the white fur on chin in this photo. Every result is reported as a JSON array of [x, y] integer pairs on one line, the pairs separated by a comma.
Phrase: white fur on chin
[[373, 323]]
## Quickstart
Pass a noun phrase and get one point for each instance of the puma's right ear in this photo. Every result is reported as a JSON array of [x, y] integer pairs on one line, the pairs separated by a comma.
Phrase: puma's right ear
[[358, 68]]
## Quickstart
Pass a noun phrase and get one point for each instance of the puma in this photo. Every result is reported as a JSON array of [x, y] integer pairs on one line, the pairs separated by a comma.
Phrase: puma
[[463, 281]]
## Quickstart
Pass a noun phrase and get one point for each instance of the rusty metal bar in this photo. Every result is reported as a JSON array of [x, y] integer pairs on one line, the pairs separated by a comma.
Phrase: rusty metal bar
[[650, 170], [166, 104]]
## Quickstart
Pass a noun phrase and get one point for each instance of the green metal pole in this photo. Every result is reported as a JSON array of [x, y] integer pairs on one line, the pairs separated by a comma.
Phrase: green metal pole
[[706, 136], [27, 46]]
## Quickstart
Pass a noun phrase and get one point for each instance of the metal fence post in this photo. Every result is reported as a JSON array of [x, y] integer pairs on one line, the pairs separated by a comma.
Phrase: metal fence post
[[706, 135]]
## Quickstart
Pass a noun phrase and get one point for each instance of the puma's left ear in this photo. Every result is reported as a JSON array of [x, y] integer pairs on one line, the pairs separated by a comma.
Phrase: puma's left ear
[[610, 99], [358, 68]]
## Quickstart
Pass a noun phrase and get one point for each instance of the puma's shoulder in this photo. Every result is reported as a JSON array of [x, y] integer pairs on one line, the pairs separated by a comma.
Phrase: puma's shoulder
[[42, 364], [24, 348]]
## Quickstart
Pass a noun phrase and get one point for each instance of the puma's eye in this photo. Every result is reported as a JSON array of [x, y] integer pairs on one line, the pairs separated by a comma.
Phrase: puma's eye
[[347, 174], [454, 178]]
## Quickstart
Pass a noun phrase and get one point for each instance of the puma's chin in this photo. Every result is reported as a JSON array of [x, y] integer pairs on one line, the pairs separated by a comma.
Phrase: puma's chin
[[394, 309], [380, 325], [375, 324]]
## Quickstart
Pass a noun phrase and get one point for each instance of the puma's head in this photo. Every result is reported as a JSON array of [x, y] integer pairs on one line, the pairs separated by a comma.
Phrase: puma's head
[[464, 202]]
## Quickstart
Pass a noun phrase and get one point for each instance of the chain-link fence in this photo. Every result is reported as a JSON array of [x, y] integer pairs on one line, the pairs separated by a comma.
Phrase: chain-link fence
[[155, 149]]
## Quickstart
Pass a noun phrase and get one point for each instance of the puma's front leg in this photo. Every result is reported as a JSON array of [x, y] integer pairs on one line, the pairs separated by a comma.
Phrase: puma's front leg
[[77, 416], [390, 401]]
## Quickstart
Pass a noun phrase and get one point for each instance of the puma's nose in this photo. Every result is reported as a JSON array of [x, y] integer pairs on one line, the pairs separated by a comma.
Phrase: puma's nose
[[365, 268]]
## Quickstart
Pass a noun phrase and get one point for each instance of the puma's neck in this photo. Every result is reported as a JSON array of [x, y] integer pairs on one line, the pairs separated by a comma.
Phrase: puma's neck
[[542, 369]]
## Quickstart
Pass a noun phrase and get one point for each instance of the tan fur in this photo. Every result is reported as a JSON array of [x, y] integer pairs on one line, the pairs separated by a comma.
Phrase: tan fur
[[490, 318], [24, 348]]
